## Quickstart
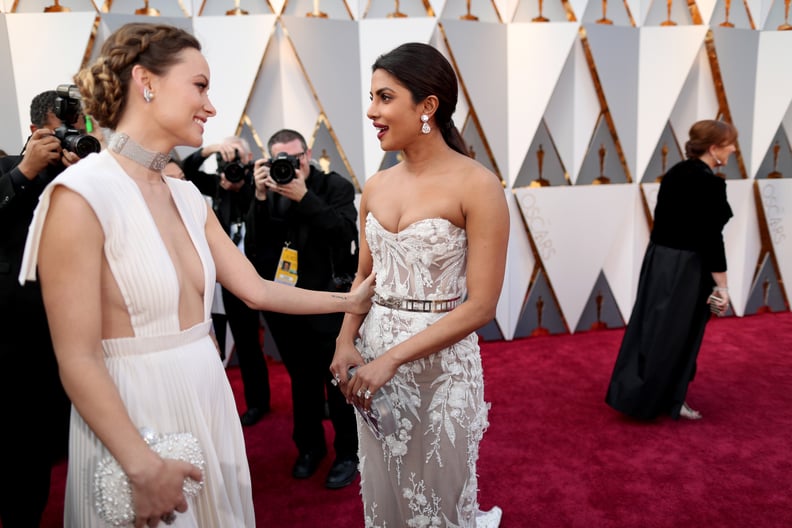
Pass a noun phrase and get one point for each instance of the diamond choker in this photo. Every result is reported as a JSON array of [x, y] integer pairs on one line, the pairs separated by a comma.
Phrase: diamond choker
[[121, 143]]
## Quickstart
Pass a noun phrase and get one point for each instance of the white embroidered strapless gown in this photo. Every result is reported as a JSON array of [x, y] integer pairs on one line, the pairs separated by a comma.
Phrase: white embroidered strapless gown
[[425, 473]]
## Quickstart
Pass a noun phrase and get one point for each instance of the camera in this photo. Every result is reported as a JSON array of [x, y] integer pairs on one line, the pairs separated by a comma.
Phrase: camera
[[235, 171], [283, 167], [68, 106]]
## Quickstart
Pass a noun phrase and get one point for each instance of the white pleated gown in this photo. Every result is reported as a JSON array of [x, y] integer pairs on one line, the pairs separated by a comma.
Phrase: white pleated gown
[[171, 380]]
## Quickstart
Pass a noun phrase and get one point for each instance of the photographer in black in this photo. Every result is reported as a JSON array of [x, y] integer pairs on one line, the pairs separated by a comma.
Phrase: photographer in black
[[301, 230], [33, 405], [230, 190]]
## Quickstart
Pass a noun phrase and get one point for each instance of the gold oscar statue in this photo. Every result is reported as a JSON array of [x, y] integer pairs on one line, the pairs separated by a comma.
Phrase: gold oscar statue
[[599, 324], [316, 13], [397, 13], [324, 161], [727, 7], [540, 18], [471, 151], [468, 15], [540, 182], [605, 20], [57, 8], [765, 308], [774, 173], [237, 11], [146, 10], [602, 179], [663, 162], [539, 330], [785, 26], [668, 21]]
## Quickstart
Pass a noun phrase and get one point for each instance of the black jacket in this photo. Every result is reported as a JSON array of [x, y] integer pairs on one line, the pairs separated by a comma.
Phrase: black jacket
[[691, 211], [322, 227]]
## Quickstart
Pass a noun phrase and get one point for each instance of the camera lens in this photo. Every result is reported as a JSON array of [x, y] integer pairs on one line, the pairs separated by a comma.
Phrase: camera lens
[[234, 172], [82, 145], [282, 171]]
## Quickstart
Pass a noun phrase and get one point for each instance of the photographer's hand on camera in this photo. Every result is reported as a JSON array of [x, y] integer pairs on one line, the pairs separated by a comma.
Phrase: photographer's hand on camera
[[42, 149], [294, 190]]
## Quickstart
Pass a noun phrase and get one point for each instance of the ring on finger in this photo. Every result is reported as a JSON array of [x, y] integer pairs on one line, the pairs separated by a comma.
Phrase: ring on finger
[[168, 518], [359, 393], [367, 394]]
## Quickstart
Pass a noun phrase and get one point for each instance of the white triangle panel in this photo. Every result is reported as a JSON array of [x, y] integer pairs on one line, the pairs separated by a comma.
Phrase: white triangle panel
[[10, 107], [232, 80], [737, 51], [698, 98], [578, 8], [622, 266], [666, 57], [742, 241], [575, 229], [333, 69], [519, 268], [532, 48], [573, 111], [378, 36], [480, 52], [616, 55], [650, 190], [773, 91], [776, 196], [36, 67]]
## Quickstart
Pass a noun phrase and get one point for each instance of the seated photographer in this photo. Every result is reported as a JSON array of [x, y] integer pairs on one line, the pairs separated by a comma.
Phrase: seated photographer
[[230, 189], [32, 400]]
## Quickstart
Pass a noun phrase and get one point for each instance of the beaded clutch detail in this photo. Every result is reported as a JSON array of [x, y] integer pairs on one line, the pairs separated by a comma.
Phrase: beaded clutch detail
[[112, 490]]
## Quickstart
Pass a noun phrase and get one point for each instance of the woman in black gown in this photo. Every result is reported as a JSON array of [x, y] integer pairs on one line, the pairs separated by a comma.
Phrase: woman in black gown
[[683, 279]]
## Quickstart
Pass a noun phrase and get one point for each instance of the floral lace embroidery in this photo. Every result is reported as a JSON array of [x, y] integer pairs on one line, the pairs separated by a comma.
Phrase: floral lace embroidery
[[438, 400]]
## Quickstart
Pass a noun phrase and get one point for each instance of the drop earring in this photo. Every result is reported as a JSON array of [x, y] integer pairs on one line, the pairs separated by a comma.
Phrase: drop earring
[[425, 128], [148, 96]]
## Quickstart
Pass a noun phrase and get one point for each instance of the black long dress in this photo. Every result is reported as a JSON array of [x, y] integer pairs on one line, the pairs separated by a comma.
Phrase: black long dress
[[657, 358]]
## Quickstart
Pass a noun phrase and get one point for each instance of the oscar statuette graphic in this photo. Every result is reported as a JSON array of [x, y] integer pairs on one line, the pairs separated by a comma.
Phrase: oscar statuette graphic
[[57, 8], [668, 21], [324, 161], [599, 324], [237, 11], [146, 10], [663, 162], [727, 8], [604, 20], [396, 13], [774, 173], [602, 179], [316, 13], [540, 181], [468, 15], [539, 330], [765, 308], [540, 18], [786, 26]]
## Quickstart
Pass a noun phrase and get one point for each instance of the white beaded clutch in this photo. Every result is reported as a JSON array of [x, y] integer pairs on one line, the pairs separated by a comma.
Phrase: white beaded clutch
[[112, 491]]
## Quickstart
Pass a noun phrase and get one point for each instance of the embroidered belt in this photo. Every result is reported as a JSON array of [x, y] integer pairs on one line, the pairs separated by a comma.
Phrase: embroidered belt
[[416, 305]]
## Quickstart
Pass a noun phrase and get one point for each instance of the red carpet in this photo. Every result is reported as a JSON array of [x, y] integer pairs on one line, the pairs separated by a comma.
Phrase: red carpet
[[556, 456]]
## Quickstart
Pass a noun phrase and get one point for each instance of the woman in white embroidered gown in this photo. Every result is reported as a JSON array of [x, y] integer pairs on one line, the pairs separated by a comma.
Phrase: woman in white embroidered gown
[[127, 260], [436, 230]]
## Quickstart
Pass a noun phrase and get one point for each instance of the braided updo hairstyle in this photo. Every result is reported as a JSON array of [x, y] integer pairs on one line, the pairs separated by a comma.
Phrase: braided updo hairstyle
[[424, 71], [706, 133], [104, 85]]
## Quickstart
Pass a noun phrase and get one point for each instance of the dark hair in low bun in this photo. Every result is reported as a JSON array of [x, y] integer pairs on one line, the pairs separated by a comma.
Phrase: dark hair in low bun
[[706, 133]]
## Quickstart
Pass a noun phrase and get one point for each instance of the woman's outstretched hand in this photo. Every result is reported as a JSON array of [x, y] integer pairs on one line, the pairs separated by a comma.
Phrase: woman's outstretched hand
[[360, 297]]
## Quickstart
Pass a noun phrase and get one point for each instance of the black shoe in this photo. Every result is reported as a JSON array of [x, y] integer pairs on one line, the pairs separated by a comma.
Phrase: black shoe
[[342, 473], [253, 415], [307, 464]]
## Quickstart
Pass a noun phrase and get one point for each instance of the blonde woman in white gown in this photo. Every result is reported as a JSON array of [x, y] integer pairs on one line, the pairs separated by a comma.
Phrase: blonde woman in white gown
[[127, 260], [436, 231]]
